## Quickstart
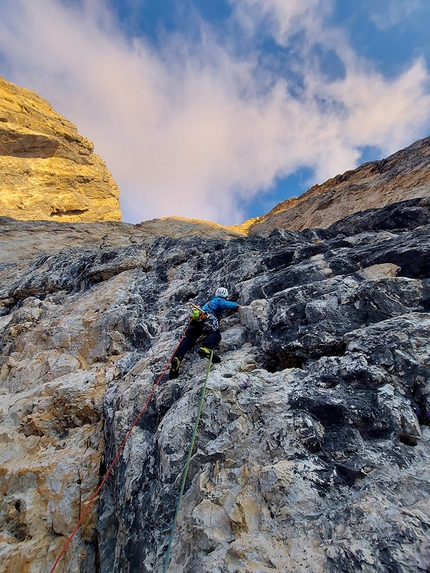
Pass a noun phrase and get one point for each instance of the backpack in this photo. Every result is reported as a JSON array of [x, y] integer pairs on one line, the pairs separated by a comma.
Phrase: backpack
[[210, 323]]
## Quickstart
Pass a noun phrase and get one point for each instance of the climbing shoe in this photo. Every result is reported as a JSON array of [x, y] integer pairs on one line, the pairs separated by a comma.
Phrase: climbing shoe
[[174, 368], [206, 353]]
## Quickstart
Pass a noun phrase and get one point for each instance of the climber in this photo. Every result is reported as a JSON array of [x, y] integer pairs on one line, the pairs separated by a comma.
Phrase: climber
[[204, 321]]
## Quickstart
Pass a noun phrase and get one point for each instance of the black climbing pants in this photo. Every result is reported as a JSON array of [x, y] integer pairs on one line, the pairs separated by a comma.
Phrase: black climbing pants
[[195, 330]]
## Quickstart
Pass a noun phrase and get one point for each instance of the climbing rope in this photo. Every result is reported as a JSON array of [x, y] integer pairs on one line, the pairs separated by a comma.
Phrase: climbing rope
[[117, 454], [187, 465]]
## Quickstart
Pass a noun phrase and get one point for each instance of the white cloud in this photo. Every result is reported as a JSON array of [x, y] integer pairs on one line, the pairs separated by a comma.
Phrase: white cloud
[[390, 13], [284, 18], [193, 130]]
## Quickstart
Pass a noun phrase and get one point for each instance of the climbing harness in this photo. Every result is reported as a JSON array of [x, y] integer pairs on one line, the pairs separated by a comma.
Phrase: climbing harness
[[187, 465], [93, 497]]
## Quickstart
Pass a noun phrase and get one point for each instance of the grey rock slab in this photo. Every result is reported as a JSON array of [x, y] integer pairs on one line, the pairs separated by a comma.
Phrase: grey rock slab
[[313, 447]]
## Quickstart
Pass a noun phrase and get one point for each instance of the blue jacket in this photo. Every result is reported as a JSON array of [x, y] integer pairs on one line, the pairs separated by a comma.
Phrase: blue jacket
[[217, 305]]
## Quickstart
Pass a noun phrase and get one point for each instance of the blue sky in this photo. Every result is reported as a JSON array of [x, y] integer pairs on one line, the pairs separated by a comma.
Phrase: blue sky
[[220, 109]]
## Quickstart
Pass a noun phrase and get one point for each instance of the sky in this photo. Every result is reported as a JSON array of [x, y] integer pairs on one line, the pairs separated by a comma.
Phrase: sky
[[220, 109]]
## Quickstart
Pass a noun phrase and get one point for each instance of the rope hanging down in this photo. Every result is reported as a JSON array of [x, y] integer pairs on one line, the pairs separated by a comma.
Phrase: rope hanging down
[[187, 465], [93, 497]]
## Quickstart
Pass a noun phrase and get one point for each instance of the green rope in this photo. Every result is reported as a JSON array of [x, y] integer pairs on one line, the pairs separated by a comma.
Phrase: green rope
[[187, 465]]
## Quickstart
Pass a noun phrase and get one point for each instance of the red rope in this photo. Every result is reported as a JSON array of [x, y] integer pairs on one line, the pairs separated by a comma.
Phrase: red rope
[[117, 454]]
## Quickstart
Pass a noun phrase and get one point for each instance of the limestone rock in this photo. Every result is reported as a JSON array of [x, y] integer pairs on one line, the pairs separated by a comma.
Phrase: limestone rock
[[49, 171], [313, 449], [402, 176], [49, 237]]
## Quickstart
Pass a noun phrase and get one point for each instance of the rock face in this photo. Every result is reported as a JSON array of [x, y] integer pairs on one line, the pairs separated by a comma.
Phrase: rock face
[[52, 237], [313, 449], [404, 175], [47, 170]]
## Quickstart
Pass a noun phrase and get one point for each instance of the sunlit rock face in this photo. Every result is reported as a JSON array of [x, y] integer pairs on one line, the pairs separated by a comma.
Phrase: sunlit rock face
[[49, 171], [402, 176], [313, 449]]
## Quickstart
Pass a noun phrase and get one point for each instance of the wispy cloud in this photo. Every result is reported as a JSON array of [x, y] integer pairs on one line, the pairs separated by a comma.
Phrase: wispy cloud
[[388, 13], [196, 128]]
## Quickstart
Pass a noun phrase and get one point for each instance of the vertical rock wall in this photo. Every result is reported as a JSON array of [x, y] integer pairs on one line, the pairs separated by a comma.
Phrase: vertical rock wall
[[313, 448]]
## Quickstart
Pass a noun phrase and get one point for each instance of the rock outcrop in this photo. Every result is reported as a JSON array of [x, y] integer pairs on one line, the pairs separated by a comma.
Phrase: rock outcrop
[[402, 176], [313, 450], [47, 170], [22, 240]]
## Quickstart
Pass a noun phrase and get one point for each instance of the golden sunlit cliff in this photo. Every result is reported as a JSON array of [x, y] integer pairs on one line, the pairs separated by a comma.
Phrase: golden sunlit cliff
[[47, 170], [402, 176]]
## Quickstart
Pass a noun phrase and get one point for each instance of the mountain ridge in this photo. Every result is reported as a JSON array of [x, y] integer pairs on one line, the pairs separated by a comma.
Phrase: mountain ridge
[[50, 172], [374, 184]]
